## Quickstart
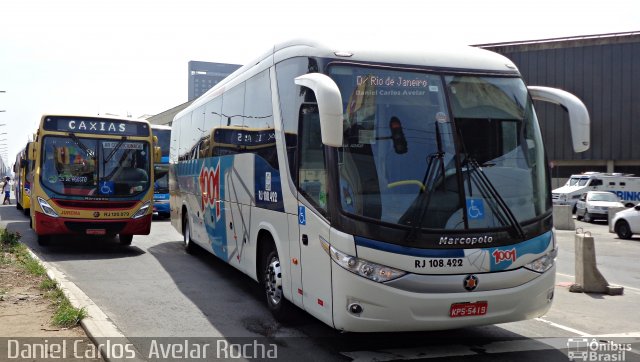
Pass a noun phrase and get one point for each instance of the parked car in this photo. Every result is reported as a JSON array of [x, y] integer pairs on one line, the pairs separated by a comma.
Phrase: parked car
[[627, 222], [595, 205]]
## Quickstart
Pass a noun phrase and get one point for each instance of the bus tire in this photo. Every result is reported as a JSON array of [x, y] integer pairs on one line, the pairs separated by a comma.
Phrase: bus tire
[[189, 247], [125, 239], [623, 230], [43, 240], [271, 281]]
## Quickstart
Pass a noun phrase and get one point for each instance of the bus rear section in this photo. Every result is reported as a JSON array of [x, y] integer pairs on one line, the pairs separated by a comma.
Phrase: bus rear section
[[21, 169], [92, 177], [161, 168]]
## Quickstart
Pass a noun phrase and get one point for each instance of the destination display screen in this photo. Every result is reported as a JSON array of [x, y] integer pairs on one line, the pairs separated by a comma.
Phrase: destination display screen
[[244, 137], [96, 126]]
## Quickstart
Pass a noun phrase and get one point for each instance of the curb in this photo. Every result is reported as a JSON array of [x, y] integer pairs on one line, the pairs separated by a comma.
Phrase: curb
[[97, 325]]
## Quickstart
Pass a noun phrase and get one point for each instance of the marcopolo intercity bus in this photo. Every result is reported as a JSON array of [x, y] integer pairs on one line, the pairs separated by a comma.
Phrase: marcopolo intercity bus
[[161, 168], [92, 176], [379, 190], [21, 169]]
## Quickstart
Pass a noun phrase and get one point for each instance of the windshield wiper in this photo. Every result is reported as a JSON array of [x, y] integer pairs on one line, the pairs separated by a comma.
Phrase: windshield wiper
[[430, 176], [115, 149], [82, 146], [486, 188]]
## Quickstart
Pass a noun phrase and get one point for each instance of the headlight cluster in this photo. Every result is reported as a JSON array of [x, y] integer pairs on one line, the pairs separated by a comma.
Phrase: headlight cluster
[[46, 208], [543, 263], [372, 271], [142, 210]]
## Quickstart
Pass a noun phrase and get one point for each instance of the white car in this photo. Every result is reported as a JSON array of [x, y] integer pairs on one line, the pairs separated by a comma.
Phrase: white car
[[595, 205], [627, 222]]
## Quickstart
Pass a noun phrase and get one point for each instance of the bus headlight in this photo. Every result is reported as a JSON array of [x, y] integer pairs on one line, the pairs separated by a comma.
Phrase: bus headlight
[[376, 272], [543, 263], [142, 210], [46, 208]]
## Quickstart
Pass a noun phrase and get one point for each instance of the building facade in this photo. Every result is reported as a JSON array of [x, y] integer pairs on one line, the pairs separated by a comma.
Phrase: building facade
[[204, 75], [603, 71]]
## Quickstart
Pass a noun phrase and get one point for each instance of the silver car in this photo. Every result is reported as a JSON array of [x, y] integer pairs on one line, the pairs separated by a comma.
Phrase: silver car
[[595, 205]]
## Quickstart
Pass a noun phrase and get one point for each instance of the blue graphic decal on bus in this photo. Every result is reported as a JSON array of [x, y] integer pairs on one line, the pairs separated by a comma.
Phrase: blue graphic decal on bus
[[502, 257], [267, 188]]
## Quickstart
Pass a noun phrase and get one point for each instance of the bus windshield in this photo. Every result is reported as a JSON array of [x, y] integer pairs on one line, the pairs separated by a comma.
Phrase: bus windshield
[[92, 167], [439, 152]]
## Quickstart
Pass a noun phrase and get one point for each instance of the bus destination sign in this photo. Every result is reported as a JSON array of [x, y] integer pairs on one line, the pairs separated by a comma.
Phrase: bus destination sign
[[96, 126]]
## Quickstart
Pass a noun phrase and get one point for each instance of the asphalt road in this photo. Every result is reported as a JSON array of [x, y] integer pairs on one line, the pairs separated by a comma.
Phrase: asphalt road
[[155, 289]]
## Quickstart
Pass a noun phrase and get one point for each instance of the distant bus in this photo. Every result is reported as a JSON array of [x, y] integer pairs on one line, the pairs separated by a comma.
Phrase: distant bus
[[92, 176], [161, 182], [21, 169], [378, 190]]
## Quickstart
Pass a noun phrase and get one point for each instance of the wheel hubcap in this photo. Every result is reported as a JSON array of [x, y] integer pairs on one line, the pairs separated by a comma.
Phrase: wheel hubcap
[[273, 281]]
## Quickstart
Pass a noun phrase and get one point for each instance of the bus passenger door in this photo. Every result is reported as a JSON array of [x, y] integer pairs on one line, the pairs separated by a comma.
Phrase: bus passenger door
[[315, 263]]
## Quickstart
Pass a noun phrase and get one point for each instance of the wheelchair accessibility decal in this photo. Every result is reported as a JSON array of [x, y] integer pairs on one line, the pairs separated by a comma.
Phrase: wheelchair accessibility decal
[[302, 216], [107, 187], [475, 209]]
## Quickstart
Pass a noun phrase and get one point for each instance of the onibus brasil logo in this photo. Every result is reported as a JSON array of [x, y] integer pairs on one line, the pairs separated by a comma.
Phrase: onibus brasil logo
[[209, 180]]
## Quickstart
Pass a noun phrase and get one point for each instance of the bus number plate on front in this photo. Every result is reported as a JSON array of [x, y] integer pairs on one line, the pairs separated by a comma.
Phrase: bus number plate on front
[[468, 309], [96, 231]]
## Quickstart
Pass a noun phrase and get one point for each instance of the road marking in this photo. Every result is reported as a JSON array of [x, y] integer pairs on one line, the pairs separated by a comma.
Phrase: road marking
[[566, 328], [624, 286]]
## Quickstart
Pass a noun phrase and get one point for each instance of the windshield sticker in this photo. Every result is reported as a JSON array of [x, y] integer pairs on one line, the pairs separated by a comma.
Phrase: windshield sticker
[[125, 146], [441, 117], [475, 208], [107, 187], [52, 179], [434, 88]]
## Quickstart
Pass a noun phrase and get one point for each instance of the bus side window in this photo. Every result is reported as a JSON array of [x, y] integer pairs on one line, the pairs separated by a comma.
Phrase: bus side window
[[312, 173], [596, 182], [623, 183], [612, 183]]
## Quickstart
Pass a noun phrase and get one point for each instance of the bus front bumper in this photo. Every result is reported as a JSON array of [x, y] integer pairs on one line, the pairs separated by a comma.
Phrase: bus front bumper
[[47, 225], [386, 309]]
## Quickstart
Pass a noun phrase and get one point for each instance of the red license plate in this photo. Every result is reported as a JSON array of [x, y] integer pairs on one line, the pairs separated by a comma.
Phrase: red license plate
[[96, 231], [468, 309]]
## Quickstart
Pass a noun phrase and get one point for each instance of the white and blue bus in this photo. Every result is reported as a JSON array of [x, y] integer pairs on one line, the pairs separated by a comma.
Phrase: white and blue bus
[[377, 190], [161, 182]]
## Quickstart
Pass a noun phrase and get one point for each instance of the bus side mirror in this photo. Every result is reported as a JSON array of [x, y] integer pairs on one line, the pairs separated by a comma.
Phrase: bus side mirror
[[157, 154], [578, 114], [329, 106], [31, 152]]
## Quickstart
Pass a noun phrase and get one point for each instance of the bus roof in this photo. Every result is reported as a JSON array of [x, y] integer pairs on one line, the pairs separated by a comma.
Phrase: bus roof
[[160, 126], [113, 118], [436, 56]]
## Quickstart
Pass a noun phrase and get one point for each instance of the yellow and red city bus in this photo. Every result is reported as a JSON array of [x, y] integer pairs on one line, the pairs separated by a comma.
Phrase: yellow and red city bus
[[21, 168], [92, 176]]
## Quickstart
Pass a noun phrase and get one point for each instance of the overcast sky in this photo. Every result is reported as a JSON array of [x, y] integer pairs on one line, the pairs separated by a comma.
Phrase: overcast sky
[[130, 56]]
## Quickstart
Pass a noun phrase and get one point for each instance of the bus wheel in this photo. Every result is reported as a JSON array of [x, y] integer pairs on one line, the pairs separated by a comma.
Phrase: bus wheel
[[186, 232], [43, 240], [272, 283], [623, 230], [125, 239]]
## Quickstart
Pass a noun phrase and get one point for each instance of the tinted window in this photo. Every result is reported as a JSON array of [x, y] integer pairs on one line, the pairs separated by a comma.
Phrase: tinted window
[[258, 118]]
